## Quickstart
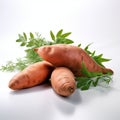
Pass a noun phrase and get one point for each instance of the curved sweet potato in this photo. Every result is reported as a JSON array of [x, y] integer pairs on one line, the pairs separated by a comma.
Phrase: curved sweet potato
[[31, 76], [63, 55]]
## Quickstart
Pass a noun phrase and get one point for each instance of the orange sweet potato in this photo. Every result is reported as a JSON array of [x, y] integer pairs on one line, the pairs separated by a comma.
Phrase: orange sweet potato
[[62, 81], [63, 55], [33, 75]]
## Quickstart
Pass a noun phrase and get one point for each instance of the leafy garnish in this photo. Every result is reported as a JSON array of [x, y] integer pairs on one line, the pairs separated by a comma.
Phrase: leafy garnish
[[88, 74], [20, 64], [91, 78], [84, 83], [34, 41], [60, 37], [98, 58]]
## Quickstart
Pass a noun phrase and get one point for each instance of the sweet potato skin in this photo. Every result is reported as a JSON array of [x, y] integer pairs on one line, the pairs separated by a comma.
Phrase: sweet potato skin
[[62, 81], [70, 56], [33, 75]]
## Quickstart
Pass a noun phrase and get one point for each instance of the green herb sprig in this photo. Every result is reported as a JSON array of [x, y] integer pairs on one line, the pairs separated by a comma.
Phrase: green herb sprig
[[29, 43], [60, 37], [91, 78], [98, 58]]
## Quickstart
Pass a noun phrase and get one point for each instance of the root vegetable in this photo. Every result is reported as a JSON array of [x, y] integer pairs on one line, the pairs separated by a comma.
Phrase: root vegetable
[[63, 82], [33, 75], [62, 55]]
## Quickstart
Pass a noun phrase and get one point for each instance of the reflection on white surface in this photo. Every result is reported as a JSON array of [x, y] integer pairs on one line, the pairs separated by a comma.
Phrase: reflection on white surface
[[90, 21]]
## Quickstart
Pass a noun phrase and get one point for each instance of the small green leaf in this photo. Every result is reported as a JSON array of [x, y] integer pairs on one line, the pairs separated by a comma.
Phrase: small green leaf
[[18, 40], [31, 35], [85, 87], [95, 82], [30, 44], [82, 81], [99, 56], [94, 74], [52, 35], [79, 85], [25, 36], [65, 34], [104, 60], [79, 45], [23, 44], [68, 41], [20, 36], [59, 33], [84, 70], [59, 40], [86, 48], [93, 53], [99, 59]]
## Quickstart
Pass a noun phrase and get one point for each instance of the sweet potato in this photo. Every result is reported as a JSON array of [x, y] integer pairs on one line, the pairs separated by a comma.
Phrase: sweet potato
[[33, 75], [63, 55], [62, 81]]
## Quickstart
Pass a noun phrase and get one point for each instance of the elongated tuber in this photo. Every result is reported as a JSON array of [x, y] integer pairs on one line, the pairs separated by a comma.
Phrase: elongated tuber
[[33, 75], [70, 56]]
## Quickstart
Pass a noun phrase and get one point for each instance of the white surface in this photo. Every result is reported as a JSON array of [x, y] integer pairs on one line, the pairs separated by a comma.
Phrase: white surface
[[96, 21]]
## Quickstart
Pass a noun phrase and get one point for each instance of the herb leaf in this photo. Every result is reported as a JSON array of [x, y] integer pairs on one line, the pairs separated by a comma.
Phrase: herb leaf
[[52, 35], [61, 38], [65, 34], [31, 35], [59, 33], [85, 72], [98, 58], [25, 36], [91, 78]]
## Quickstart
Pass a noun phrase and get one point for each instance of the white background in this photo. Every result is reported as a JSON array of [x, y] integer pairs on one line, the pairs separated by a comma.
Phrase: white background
[[90, 21]]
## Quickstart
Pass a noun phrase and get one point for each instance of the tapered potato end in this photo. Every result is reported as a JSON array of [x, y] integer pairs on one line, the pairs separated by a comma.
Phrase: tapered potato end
[[19, 81]]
